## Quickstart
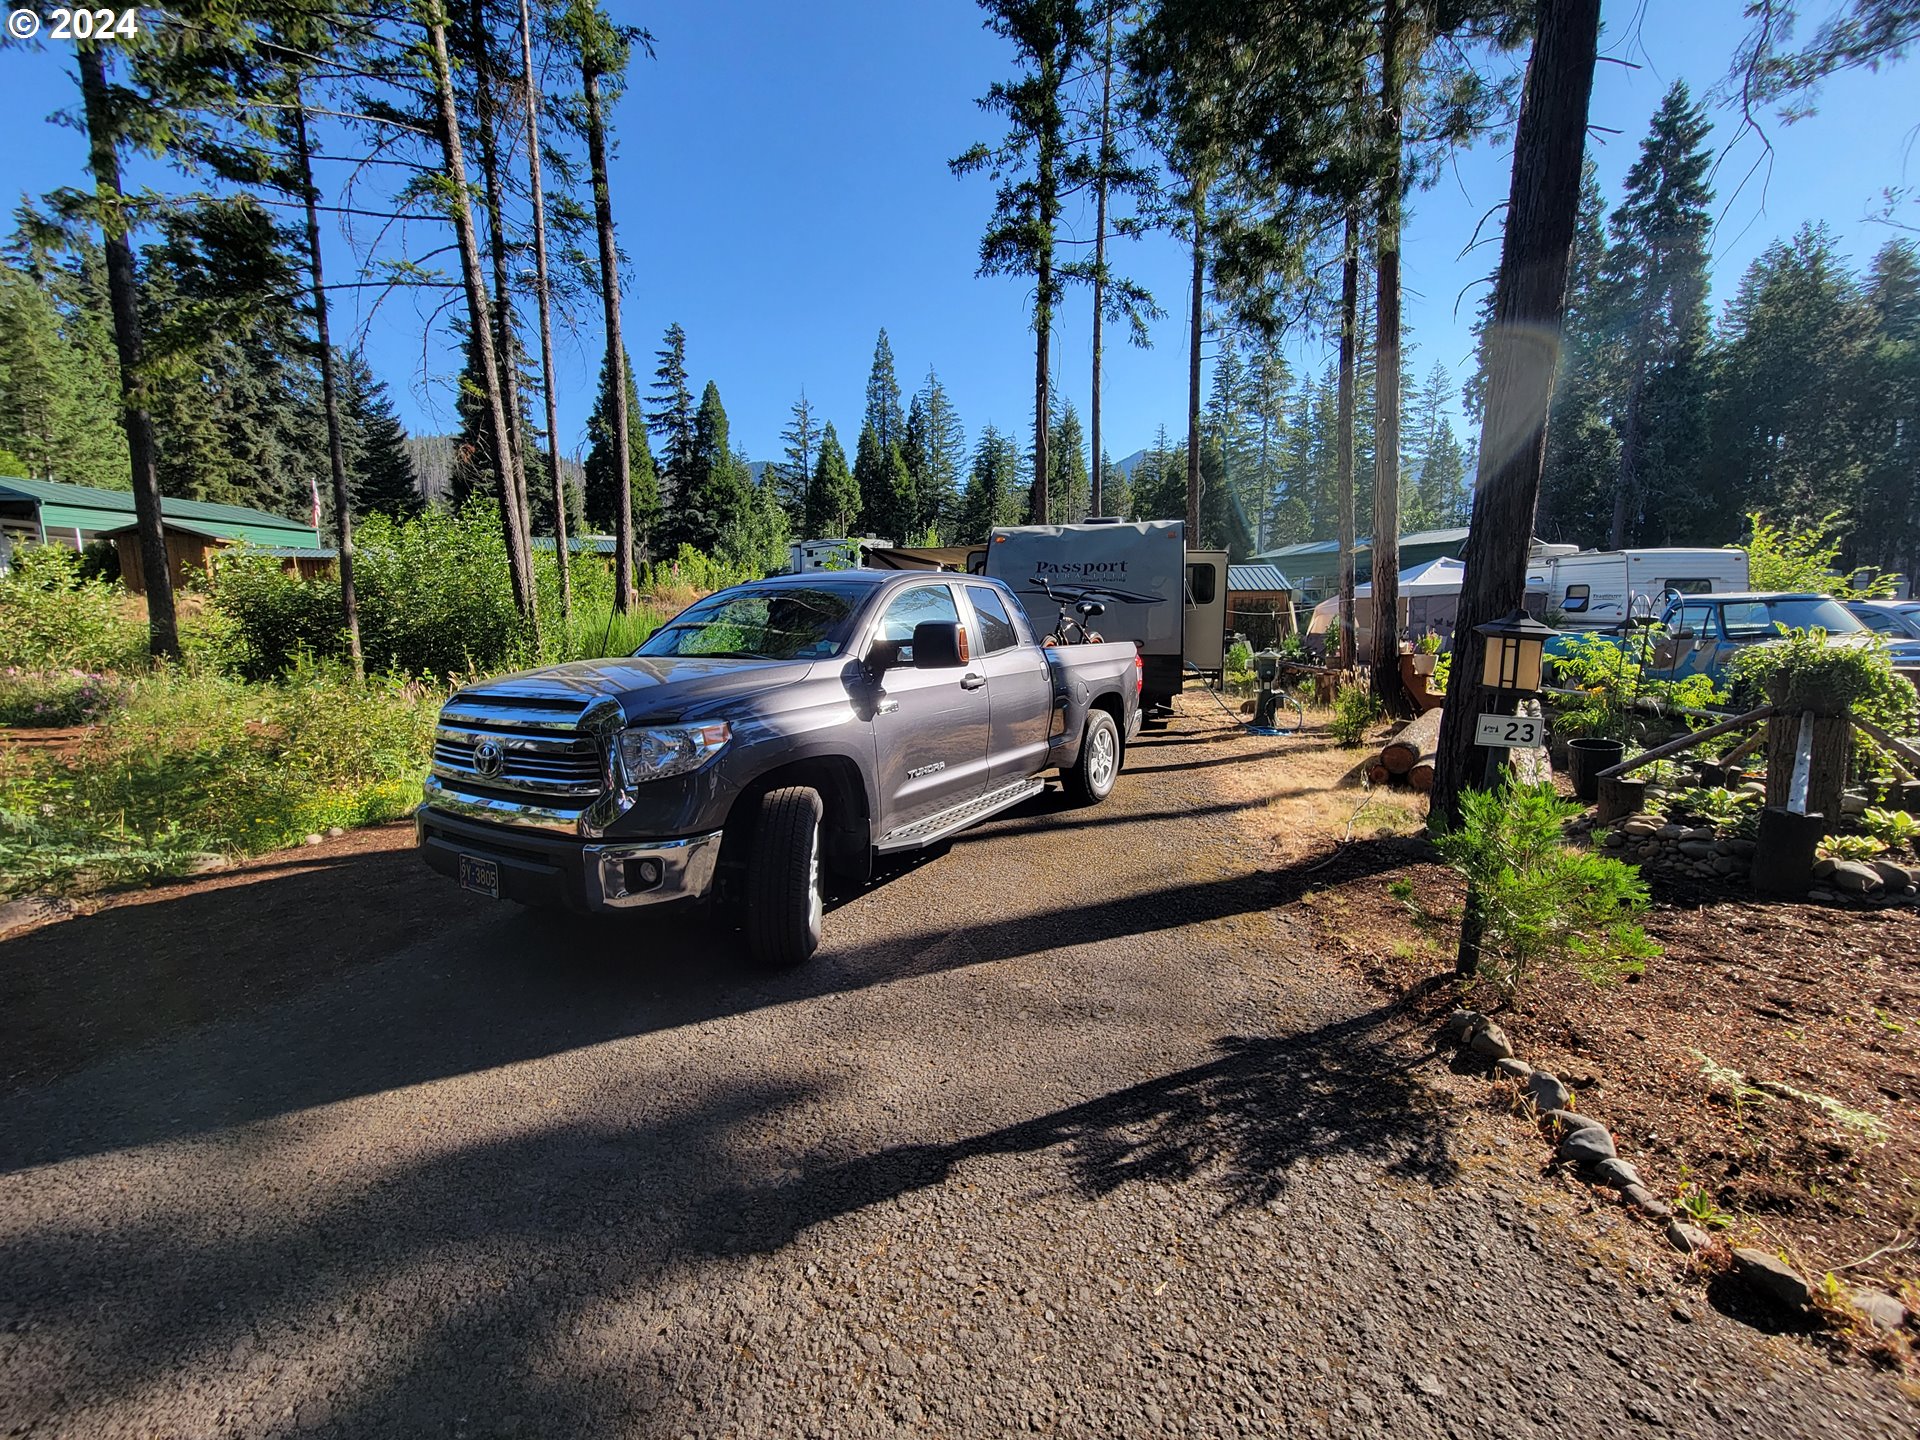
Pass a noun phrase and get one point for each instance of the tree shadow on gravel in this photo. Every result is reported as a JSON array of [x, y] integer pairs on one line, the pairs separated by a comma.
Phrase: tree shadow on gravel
[[430, 1285]]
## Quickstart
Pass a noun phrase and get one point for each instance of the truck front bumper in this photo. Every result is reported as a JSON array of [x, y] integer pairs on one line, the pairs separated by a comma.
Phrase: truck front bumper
[[540, 869]]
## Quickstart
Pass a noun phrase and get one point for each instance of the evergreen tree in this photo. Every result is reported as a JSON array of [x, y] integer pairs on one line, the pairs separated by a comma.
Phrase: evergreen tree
[[1160, 483], [993, 489], [600, 504], [937, 455], [873, 475], [884, 415], [671, 418], [1786, 421], [1656, 281], [1069, 487], [379, 468], [1888, 532], [795, 473], [1583, 449], [756, 538], [53, 414], [1441, 495], [717, 498], [833, 496], [1116, 489]]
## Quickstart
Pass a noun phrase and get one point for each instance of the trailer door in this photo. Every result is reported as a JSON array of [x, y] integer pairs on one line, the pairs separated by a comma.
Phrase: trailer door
[[1204, 611]]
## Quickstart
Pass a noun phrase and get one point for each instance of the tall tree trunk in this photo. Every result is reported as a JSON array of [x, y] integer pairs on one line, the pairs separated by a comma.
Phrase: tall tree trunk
[[1386, 361], [512, 521], [514, 467], [1627, 483], [1197, 214], [1529, 300], [329, 390], [1343, 442], [1100, 256], [616, 346], [103, 157], [539, 201]]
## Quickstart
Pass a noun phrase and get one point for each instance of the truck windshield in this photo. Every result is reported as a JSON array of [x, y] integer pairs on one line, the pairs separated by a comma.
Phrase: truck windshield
[[786, 622], [1755, 619]]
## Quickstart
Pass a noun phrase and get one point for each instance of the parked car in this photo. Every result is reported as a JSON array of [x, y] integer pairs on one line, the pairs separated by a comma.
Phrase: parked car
[[1895, 619], [1701, 633], [768, 737]]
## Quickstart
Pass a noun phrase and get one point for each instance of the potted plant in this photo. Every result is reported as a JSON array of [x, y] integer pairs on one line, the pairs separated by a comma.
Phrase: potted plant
[[1426, 651]]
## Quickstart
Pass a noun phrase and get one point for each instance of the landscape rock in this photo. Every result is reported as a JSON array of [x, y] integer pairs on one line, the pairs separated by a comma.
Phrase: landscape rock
[[1686, 1238], [1457, 1026], [1513, 1069], [1567, 1121], [1699, 832], [1640, 825], [1617, 1173], [1882, 1310], [1772, 1276], [1894, 877], [1696, 849], [1671, 831], [1646, 1201], [1547, 1092], [1854, 878], [334, 832], [1853, 803], [1745, 849], [209, 864], [1586, 1147], [1489, 1040], [1824, 866], [312, 840], [1725, 865], [1613, 840]]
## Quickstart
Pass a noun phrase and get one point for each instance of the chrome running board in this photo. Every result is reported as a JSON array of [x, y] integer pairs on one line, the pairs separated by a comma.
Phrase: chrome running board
[[958, 817]]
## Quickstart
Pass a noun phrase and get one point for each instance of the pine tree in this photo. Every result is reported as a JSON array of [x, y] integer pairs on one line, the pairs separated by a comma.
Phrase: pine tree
[[884, 415], [833, 496], [1888, 531], [876, 485], [41, 406], [1583, 449], [601, 502], [718, 494], [1069, 488], [794, 474], [671, 416], [379, 469], [993, 484], [941, 450], [1656, 280], [1116, 489]]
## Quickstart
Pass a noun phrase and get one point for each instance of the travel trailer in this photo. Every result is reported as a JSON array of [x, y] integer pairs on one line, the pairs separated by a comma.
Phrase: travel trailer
[[1603, 589], [1169, 600]]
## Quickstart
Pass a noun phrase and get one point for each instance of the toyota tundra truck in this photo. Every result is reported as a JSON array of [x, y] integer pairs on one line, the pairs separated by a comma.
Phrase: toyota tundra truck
[[769, 741]]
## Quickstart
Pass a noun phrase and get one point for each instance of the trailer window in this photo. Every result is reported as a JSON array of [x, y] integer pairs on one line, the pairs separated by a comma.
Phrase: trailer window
[[1577, 599], [1200, 584], [1689, 587]]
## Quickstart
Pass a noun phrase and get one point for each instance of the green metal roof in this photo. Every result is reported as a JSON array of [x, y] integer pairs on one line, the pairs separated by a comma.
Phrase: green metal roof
[[71, 507]]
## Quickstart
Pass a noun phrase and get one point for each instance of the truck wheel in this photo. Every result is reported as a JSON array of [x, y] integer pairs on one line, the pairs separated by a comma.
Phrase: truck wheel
[[1090, 779], [785, 900]]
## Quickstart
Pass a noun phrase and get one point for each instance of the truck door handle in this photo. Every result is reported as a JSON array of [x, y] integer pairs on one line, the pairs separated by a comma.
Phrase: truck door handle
[[886, 707], [972, 682]]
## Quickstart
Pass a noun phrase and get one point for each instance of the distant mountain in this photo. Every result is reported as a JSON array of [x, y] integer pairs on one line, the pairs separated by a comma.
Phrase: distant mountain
[[1130, 463]]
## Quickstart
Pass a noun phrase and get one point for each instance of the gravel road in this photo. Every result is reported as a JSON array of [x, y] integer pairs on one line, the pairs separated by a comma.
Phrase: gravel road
[[1067, 1131]]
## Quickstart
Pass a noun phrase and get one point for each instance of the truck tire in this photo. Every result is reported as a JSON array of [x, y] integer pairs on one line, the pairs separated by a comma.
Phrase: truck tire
[[786, 901], [1090, 779]]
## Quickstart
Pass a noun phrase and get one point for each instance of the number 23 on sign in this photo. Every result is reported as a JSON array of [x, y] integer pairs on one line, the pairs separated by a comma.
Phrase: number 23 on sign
[[1508, 730]]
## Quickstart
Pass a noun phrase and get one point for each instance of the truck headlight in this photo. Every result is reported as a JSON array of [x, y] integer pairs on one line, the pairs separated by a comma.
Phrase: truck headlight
[[662, 750]]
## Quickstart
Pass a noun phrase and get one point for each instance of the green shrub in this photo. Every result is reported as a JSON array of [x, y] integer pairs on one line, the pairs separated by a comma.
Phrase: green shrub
[[51, 618], [1852, 847], [1895, 829], [1804, 670], [195, 763], [1717, 803], [1355, 711], [57, 697], [1541, 902], [1239, 657]]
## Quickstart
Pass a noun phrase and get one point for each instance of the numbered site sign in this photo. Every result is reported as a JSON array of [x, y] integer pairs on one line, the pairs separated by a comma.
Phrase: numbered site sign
[[1509, 731]]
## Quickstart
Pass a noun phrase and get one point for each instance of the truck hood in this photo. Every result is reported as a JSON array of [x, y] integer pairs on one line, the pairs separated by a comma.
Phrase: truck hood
[[648, 687]]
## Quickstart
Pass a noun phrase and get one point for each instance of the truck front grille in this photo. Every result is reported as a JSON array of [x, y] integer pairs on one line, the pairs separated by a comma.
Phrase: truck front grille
[[518, 758]]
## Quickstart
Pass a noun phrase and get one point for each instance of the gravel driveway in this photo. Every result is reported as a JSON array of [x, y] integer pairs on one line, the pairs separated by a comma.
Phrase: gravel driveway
[[1067, 1131]]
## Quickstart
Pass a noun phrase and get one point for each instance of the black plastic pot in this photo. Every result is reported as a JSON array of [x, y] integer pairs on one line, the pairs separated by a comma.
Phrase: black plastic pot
[[1586, 758]]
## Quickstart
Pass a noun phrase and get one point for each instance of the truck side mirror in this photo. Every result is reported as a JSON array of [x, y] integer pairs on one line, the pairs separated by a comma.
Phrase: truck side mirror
[[939, 645]]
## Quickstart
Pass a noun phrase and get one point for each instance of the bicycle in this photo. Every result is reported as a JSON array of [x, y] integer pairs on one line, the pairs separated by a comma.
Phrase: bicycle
[[1067, 630]]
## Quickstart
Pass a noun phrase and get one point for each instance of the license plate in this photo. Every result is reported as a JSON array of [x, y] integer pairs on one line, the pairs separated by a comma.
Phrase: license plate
[[480, 876], [1508, 731]]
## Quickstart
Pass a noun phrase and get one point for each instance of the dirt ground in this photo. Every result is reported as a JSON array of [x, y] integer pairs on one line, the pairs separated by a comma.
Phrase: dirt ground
[[1749, 992]]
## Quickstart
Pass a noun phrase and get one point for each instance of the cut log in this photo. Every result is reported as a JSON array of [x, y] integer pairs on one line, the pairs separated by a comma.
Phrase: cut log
[[1377, 774], [1420, 777], [1421, 736]]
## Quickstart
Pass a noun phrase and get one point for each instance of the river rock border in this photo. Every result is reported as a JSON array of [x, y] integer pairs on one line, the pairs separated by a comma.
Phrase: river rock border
[[1586, 1144]]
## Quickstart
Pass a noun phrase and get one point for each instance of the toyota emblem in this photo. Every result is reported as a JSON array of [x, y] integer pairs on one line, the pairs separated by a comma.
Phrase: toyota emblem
[[488, 757]]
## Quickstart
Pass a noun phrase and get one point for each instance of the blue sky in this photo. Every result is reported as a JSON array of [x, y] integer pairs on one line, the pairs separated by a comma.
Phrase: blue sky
[[782, 191]]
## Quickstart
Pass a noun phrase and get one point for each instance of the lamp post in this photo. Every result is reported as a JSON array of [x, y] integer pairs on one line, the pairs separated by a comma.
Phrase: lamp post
[[1266, 668], [1516, 649]]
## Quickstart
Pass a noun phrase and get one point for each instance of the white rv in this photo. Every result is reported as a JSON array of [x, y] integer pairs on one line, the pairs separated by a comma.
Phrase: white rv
[[1603, 589], [1170, 600]]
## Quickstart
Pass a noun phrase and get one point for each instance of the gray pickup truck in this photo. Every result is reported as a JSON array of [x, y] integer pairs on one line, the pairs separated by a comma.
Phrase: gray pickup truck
[[766, 741]]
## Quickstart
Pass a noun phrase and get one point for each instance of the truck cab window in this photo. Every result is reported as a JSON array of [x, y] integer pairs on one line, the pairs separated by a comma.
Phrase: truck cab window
[[910, 608], [996, 626]]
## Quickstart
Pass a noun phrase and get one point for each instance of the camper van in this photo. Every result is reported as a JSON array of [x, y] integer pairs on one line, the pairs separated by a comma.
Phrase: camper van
[[1603, 589], [1169, 600]]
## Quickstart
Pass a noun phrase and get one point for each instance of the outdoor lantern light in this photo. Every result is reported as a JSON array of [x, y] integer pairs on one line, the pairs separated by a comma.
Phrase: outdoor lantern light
[[1266, 667], [1515, 649]]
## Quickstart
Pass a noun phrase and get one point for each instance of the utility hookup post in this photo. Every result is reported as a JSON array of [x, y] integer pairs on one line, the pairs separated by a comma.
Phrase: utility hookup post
[[1515, 654]]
